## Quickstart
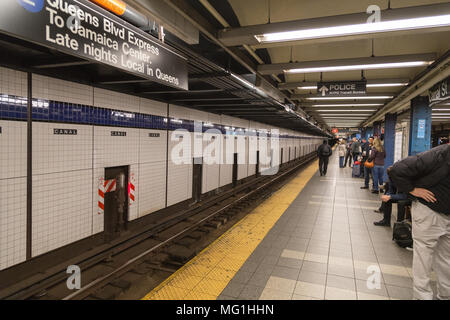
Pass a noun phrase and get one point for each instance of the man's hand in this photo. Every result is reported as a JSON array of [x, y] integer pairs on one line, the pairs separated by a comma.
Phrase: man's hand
[[425, 194], [385, 198]]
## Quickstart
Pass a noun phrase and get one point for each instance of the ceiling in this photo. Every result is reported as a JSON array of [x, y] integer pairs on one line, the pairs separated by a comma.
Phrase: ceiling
[[261, 12]]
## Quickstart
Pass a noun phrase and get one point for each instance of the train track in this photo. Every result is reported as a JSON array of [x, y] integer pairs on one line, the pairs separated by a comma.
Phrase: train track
[[164, 247]]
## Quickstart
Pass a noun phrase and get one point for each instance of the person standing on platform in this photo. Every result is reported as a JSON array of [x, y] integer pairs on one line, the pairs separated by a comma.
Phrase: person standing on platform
[[348, 154], [356, 149], [426, 177], [377, 155], [367, 148], [324, 152], [342, 149]]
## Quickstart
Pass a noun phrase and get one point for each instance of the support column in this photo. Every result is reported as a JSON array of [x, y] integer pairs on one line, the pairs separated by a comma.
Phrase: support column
[[29, 164], [420, 126], [390, 120]]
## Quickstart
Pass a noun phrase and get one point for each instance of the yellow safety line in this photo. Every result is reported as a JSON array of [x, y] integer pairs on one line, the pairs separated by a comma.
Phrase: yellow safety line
[[206, 275]]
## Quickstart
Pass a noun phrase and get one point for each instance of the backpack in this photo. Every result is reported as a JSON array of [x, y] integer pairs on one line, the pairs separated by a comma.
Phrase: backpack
[[326, 151], [402, 234]]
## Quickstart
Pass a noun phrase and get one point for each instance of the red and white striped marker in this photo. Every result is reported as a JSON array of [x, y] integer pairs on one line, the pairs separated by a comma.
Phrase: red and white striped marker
[[132, 189], [104, 187]]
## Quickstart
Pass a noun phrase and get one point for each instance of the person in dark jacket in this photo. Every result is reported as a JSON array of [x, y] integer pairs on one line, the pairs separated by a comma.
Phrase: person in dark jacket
[[367, 148], [324, 152], [392, 196], [377, 156], [348, 155], [426, 177], [356, 149]]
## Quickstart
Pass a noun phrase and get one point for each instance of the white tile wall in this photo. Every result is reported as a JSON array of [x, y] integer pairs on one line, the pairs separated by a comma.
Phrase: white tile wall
[[62, 211], [151, 187], [179, 186], [212, 151], [13, 149], [152, 172], [13, 82], [148, 106], [62, 91], [113, 151], [115, 100], [226, 169], [58, 153], [13, 219]]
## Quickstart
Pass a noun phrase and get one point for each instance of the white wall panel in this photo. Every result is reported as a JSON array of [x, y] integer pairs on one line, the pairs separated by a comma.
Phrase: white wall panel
[[13, 149], [113, 151], [152, 171], [115, 100], [60, 90], [13, 82], [13, 221], [62, 211], [61, 152], [153, 107]]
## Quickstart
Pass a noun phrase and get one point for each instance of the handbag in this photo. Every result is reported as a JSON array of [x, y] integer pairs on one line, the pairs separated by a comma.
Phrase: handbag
[[369, 164]]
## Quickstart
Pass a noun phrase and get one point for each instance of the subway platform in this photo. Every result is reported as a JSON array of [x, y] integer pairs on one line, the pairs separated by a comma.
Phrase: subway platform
[[312, 239]]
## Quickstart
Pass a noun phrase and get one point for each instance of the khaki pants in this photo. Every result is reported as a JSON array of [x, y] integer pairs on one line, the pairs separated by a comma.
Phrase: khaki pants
[[431, 235]]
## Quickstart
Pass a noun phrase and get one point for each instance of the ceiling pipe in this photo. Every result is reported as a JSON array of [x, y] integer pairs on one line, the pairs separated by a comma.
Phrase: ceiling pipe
[[124, 11]]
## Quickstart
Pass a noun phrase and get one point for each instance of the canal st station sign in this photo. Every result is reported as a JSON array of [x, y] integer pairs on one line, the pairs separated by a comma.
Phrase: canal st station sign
[[439, 92], [82, 29], [341, 88]]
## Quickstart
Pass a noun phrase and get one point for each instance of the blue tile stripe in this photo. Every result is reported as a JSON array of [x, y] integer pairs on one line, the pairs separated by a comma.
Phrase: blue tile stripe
[[15, 108]]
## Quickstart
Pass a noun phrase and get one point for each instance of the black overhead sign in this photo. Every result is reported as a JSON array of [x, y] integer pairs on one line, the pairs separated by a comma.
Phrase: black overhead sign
[[439, 92], [82, 29], [341, 88]]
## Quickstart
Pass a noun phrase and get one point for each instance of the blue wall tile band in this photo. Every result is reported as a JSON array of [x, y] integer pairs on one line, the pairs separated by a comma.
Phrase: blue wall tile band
[[15, 108]]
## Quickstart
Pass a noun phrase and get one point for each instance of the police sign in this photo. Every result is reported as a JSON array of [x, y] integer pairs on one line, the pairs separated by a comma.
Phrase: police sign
[[341, 88]]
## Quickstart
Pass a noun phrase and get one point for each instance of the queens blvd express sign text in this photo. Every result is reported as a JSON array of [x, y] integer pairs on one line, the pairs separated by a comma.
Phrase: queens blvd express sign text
[[81, 28]]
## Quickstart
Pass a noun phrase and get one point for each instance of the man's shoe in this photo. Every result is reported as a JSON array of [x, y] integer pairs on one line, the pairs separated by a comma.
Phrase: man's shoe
[[364, 187], [382, 223], [377, 211], [375, 191]]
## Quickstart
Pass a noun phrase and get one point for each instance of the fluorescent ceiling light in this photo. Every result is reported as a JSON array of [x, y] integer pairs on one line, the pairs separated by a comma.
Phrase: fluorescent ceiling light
[[346, 110], [346, 115], [351, 98], [381, 85], [441, 117], [439, 110], [440, 114], [354, 29], [349, 105], [361, 67], [307, 87]]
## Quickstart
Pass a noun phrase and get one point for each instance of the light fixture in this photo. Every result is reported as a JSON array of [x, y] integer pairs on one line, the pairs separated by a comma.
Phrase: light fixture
[[347, 110], [405, 64], [351, 98], [440, 114], [381, 85], [439, 110], [349, 105], [346, 115], [355, 29]]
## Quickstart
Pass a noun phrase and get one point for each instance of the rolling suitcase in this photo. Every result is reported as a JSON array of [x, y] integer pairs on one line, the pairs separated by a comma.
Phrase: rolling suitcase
[[356, 172]]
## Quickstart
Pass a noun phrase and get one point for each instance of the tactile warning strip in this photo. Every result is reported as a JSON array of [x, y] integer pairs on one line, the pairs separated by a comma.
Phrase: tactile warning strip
[[207, 274]]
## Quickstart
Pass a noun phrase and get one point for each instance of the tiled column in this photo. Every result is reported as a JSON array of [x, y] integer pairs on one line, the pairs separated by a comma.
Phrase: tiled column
[[390, 121], [420, 126]]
